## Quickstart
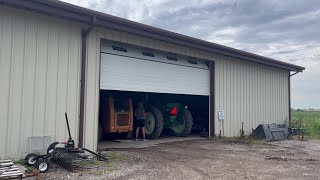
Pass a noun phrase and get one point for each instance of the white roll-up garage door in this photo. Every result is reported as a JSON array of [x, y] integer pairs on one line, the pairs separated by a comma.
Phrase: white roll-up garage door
[[129, 68]]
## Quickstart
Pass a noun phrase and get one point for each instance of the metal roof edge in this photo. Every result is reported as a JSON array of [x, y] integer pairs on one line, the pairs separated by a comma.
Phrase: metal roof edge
[[84, 15]]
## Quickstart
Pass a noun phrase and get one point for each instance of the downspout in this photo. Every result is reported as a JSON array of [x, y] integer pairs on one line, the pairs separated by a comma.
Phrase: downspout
[[289, 93], [84, 36]]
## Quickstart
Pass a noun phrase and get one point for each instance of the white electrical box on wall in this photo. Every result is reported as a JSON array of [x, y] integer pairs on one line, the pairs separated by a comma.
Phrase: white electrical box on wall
[[221, 115]]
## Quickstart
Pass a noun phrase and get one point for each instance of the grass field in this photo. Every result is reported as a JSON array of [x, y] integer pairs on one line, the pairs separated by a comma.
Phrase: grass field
[[310, 121]]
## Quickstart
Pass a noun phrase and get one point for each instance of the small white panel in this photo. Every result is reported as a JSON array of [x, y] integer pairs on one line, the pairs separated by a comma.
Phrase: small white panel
[[221, 115]]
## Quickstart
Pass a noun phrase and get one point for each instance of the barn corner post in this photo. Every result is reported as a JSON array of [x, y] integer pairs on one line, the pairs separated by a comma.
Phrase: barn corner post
[[212, 100], [84, 36], [289, 94]]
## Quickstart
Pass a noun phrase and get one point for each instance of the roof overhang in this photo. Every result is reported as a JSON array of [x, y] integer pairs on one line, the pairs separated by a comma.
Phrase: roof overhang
[[75, 13]]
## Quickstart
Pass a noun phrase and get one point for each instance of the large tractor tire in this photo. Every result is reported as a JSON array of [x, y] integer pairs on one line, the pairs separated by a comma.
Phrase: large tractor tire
[[184, 130], [153, 123]]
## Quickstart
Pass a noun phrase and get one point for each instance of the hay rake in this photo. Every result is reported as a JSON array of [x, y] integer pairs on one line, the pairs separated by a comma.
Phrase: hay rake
[[68, 156]]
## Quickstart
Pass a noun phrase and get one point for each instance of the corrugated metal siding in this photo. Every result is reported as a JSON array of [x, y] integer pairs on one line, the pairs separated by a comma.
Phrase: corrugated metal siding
[[148, 75], [39, 75], [248, 92]]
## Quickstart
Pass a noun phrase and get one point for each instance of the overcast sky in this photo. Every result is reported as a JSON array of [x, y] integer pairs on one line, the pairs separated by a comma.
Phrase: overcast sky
[[286, 30]]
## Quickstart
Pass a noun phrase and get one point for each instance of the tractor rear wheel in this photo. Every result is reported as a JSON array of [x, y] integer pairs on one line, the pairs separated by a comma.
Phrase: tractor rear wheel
[[153, 123], [184, 129]]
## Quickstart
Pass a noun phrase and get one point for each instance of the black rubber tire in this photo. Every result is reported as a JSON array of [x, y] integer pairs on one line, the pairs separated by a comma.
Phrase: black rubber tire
[[52, 146], [29, 161], [158, 123], [42, 165], [188, 125]]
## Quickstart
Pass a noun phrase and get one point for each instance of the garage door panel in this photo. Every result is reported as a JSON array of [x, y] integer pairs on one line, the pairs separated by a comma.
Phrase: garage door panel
[[131, 74]]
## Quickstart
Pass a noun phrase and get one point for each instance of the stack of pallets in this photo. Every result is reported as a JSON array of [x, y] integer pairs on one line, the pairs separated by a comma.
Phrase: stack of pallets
[[9, 170]]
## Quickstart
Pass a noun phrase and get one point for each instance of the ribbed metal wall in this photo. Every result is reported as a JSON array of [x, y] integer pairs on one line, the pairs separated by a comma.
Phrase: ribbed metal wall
[[247, 92], [39, 75]]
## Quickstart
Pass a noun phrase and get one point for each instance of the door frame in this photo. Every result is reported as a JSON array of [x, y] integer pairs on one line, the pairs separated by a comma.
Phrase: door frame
[[211, 119]]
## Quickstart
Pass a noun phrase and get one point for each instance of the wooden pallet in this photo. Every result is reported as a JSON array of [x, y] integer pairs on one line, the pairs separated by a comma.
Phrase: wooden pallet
[[8, 170]]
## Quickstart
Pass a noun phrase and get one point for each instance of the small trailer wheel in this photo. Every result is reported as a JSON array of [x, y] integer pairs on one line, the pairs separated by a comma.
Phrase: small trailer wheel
[[51, 147], [42, 165], [31, 159]]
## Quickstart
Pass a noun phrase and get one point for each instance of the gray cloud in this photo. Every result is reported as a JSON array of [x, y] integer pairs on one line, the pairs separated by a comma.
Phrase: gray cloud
[[287, 30]]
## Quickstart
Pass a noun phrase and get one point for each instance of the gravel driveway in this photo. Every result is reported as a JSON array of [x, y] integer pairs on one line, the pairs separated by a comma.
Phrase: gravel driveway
[[206, 159]]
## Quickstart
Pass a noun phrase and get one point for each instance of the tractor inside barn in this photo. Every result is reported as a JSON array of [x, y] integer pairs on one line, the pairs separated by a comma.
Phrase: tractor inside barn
[[165, 114]]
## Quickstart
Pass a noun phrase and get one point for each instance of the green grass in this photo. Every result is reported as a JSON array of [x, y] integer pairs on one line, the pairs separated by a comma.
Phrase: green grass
[[114, 156], [109, 165], [102, 167], [22, 162], [310, 121]]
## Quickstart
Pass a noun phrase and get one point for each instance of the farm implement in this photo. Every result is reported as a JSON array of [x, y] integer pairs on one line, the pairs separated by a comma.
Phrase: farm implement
[[64, 154]]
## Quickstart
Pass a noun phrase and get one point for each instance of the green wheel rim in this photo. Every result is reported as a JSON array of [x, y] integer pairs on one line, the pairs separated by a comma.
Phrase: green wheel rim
[[150, 123], [178, 128]]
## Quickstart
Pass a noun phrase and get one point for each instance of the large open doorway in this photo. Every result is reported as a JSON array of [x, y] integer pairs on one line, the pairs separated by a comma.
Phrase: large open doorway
[[117, 121], [174, 89]]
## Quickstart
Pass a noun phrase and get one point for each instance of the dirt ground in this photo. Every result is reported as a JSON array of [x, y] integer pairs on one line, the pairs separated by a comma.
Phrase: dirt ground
[[206, 159]]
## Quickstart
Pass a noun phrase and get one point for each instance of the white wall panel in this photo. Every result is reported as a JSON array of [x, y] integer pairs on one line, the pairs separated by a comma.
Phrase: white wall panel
[[132, 74], [39, 73]]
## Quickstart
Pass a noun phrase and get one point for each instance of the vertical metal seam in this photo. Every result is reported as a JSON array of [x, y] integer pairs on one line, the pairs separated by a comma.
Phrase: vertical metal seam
[[34, 74], [72, 30], [57, 85], [78, 85], [225, 86], [22, 89], [260, 94], [10, 78], [229, 98], [247, 123], [68, 64], [266, 102], [243, 96], [238, 118], [1, 25], [232, 106], [46, 78]]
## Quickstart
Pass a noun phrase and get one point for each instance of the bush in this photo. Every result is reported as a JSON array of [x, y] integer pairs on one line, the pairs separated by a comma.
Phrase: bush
[[310, 121]]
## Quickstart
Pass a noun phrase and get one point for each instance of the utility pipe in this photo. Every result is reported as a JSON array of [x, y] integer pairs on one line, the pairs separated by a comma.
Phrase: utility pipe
[[84, 37]]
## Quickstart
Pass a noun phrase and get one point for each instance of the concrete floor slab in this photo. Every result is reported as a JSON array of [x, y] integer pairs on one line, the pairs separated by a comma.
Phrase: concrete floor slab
[[133, 144]]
